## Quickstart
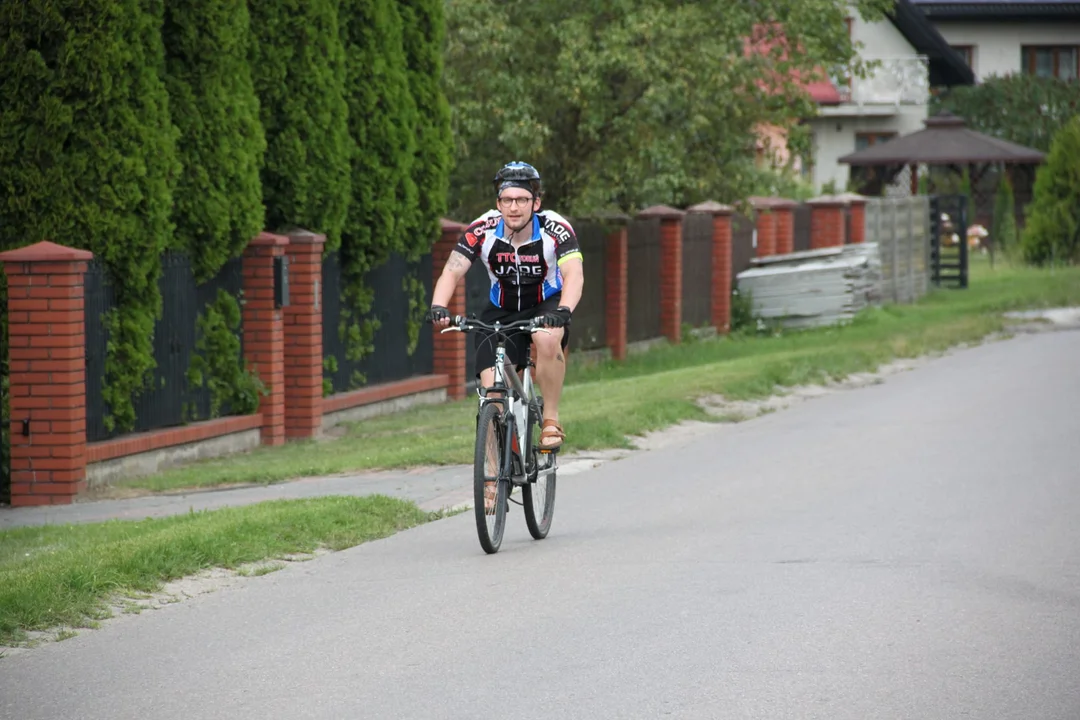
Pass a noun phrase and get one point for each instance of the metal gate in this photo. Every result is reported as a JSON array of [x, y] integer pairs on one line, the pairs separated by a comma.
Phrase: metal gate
[[948, 240]]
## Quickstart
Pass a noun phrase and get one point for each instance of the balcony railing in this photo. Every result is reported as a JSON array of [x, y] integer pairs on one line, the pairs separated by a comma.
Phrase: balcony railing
[[900, 80]]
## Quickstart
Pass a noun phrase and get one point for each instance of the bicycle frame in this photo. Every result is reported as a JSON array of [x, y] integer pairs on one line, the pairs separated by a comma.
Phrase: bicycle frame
[[515, 395]]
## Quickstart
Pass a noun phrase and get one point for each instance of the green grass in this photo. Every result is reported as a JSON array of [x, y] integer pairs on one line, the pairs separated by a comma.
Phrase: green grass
[[605, 404], [67, 575]]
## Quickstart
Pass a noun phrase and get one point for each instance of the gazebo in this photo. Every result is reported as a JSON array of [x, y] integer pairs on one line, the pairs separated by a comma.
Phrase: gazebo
[[947, 142]]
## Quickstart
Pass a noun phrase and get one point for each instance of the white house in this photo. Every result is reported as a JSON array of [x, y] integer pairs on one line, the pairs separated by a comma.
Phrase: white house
[[854, 113], [1000, 37]]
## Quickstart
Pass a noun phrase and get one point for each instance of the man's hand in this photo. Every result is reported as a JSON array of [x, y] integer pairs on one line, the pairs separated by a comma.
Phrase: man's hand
[[438, 316], [556, 318]]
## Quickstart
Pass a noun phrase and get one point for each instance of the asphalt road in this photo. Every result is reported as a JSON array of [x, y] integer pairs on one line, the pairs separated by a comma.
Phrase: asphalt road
[[907, 550]]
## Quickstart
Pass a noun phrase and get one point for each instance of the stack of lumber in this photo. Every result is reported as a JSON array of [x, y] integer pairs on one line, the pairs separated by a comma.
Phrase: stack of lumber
[[814, 288]]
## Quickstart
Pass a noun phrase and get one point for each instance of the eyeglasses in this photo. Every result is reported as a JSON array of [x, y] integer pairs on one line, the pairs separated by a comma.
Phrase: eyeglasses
[[515, 201]]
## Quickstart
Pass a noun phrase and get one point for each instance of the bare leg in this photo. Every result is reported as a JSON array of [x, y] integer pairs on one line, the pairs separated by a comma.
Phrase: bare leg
[[550, 373]]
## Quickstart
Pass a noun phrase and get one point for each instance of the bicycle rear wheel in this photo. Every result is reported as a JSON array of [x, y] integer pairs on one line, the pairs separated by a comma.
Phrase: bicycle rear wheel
[[487, 462]]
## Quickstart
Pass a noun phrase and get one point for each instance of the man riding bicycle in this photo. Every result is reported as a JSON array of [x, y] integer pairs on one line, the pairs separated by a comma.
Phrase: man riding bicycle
[[534, 263]]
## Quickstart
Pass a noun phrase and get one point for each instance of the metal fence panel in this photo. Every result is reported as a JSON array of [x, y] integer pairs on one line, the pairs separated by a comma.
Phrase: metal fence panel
[[643, 280], [697, 233], [390, 359], [742, 244], [169, 400], [588, 331], [802, 227]]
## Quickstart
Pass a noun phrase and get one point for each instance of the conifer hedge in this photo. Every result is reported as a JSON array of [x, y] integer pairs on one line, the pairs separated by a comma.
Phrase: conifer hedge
[[88, 153], [298, 65]]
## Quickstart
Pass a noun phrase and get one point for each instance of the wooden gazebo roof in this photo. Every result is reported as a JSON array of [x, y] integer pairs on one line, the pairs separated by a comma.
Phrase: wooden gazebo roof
[[946, 140]]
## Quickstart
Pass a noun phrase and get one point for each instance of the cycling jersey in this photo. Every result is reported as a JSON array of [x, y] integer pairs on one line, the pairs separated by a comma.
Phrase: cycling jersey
[[523, 279]]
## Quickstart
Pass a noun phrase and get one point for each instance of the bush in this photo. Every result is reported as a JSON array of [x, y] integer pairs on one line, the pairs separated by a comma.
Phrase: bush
[[1052, 233], [88, 152], [212, 99], [298, 66]]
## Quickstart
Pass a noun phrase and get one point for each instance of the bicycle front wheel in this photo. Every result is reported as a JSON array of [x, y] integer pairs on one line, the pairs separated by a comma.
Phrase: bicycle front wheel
[[538, 497], [490, 488]]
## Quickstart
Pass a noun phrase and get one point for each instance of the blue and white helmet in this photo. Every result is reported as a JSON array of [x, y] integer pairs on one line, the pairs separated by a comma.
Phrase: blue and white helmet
[[518, 174]]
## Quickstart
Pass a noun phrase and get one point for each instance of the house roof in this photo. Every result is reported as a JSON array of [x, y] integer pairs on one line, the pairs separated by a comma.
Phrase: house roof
[[1000, 9], [946, 140], [947, 67]]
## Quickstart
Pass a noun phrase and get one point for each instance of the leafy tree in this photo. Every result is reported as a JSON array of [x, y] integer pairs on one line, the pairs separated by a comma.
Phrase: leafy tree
[[1021, 108], [88, 152], [298, 65], [625, 103], [212, 99], [1052, 232]]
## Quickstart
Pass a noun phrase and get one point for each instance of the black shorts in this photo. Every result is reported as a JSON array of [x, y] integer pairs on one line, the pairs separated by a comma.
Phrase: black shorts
[[517, 341]]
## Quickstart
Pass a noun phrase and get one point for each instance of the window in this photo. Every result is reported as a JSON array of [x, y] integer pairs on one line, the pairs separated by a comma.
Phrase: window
[[967, 52], [1048, 61], [865, 140]]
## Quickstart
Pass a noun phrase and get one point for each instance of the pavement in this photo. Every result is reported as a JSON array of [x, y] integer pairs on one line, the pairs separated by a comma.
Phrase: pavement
[[906, 550]]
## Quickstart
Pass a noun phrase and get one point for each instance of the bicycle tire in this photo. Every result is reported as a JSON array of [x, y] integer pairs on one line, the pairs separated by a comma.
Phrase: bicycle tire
[[489, 423], [538, 525]]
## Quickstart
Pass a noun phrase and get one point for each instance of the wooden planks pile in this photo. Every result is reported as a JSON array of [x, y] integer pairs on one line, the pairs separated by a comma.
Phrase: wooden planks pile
[[816, 287]]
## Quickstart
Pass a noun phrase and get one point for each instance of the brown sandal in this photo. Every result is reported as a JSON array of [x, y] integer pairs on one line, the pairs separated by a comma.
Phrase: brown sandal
[[549, 430], [490, 493]]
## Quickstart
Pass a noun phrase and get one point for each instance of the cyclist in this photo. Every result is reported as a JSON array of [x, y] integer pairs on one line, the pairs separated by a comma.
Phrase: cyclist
[[534, 262]]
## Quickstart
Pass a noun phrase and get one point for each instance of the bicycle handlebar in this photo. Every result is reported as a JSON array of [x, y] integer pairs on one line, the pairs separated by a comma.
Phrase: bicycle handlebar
[[462, 324]]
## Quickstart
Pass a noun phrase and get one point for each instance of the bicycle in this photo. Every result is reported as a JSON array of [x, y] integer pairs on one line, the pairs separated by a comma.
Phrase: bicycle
[[508, 419]]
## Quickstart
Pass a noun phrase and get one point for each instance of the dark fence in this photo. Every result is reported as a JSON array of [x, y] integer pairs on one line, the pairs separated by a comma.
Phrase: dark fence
[[590, 321], [643, 280], [742, 244], [697, 232], [170, 399], [802, 227], [390, 359]]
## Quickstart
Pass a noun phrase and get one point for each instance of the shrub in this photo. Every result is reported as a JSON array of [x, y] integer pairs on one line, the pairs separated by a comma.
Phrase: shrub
[[1052, 233]]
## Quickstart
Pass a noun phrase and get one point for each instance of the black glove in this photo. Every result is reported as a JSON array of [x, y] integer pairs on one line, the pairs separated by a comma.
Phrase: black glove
[[437, 313], [556, 318]]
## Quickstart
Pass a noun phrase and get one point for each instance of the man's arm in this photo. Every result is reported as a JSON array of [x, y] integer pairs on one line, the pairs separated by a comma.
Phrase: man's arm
[[457, 265], [573, 275]]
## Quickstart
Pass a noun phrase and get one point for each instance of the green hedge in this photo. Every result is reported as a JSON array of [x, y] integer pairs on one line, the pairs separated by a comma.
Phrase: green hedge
[[88, 153]]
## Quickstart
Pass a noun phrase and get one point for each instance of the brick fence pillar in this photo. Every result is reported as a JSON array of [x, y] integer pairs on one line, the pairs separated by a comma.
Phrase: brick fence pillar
[[450, 347], [303, 335], [264, 331], [784, 210], [765, 224], [670, 268], [720, 302], [616, 264], [46, 331], [826, 222], [856, 216]]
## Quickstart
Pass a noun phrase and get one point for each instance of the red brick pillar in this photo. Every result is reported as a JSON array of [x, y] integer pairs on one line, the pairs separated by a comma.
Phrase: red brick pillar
[[46, 330], [303, 335], [721, 262], [826, 222], [450, 347], [670, 269], [765, 224], [857, 214], [785, 225], [616, 263], [264, 331]]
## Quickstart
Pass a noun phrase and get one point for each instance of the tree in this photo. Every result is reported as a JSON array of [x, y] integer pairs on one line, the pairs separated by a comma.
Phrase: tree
[[1052, 233], [88, 152], [625, 103], [212, 99], [298, 65], [424, 40], [1021, 108], [1003, 232]]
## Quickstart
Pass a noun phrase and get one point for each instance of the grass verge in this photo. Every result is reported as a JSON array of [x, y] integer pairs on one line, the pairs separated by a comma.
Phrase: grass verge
[[608, 403], [70, 575]]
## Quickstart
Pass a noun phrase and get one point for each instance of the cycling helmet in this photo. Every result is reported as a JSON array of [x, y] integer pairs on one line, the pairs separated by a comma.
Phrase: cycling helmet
[[518, 174]]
